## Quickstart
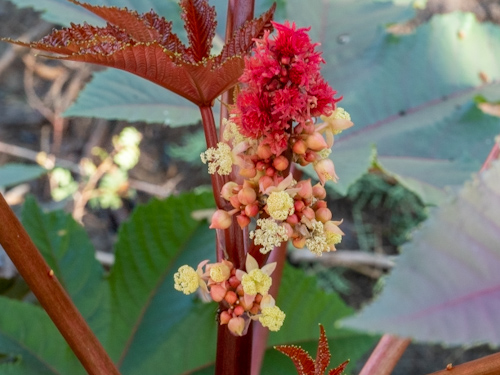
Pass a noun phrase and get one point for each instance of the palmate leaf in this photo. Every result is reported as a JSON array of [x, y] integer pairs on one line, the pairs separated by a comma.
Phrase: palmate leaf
[[446, 286], [67, 249], [32, 342], [305, 364], [150, 49]]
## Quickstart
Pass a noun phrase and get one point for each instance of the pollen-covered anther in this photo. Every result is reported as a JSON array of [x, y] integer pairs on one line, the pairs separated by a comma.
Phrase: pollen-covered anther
[[220, 159], [268, 235], [220, 272], [317, 242], [280, 205], [186, 280], [255, 282]]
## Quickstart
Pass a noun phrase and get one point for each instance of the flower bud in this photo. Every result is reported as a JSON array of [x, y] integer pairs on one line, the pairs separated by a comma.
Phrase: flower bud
[[234, 282], [299, 147], [309, 213], [319, 191], [255, 309], [326, 171], [323, 214], [248, 172], [235, 202], [217, 292], [224, 317], [227, 190], [305, 188], [243, 220], [316, 142], [252, 210], [247, 196], [292, 219], [280, 163], [236, 325], [298, 206], [239, 310], [221, 220], [299, 242], [231, 298], [310, 156], [264, 183], [270, 171], [264, 151]]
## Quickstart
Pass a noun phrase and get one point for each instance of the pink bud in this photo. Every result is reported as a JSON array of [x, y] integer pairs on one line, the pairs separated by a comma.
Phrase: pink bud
[[221, 220], [270, 172], [305, 188], [320, 204], [236, 326], [252, 210], [316, 142], [247, 196], [309, 213], [298, 206], [280, 163], [239, 310], [231, 297], [234, 282], [319, 191], [255, 309], [299, 242], [228, 190], [292, 219], [217, 292], [248, 172], [325, 170], [224, 317], [264, 183], [299, 147], [310, 156], [264, 151], [323, 214], [243, 220]]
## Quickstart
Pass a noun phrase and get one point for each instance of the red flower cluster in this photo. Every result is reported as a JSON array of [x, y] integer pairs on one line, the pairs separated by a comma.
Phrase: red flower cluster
[[283, 87]]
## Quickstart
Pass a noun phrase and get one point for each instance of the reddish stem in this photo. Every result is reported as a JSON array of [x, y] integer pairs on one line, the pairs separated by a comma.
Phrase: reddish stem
[[207, 118], [51, 294], [234, 354], [489, 365], [385, 356]]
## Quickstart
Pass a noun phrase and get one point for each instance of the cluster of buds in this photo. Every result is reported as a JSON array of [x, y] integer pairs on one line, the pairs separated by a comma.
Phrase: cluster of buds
[[242, 295], [272, 125]]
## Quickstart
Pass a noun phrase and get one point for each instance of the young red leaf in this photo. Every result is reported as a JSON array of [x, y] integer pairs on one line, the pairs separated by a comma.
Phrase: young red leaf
[[323, 353], [303, 362], [200, 24], [143, 44], [339, 370], [301, 359]]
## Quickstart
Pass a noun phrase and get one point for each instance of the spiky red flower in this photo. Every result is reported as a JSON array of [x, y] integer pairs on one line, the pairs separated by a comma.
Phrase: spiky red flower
[[283, 85]]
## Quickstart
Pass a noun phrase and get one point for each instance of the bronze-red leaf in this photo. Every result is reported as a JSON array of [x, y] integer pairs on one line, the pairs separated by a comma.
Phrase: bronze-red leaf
[[301, 359], [323, 353], [200, 23]]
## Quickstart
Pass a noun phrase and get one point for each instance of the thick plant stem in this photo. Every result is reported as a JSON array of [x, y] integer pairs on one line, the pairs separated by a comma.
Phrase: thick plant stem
[[385, 356], [489, 365], [207, 118], [234, 354], [51, 295]]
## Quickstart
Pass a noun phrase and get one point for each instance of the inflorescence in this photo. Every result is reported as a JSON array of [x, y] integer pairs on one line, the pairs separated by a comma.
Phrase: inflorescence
[[272, 124]]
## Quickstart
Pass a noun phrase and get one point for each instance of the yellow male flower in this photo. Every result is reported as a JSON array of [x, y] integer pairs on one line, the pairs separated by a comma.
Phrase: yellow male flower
[[271, 316], [280, 205], [268, 235], [219, 159], [187, 280]]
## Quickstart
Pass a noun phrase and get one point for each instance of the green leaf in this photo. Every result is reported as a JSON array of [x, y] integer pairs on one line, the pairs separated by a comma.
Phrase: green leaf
[[14, 173], [414, 100], [446, 285], [115, 94], [36, 346], [67, 249], [151, 246]]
